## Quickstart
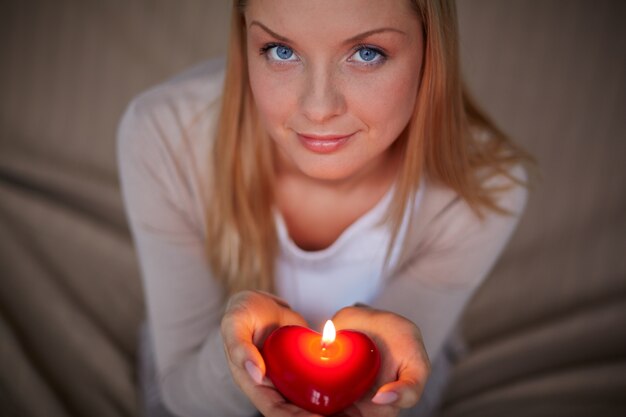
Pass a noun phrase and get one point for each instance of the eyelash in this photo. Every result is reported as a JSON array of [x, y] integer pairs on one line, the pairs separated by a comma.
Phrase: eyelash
[[268, 46], [383, 56]]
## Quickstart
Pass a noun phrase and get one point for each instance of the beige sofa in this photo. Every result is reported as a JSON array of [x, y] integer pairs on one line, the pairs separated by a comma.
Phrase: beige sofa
[[546, 334]]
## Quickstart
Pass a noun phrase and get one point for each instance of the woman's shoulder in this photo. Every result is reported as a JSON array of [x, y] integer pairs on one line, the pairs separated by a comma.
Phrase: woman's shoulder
[[183, 102], [189, 90], [175, 119], [166, 132], [508, 188], [442, 212]]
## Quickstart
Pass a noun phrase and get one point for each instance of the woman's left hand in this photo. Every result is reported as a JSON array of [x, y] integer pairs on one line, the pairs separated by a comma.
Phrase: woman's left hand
[[404, 362]]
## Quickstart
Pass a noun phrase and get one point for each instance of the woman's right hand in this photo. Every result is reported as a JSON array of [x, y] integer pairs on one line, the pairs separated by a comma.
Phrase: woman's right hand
[[249, 318]]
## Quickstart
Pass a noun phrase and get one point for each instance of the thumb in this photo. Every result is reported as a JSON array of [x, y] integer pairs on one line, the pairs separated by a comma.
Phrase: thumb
[[399, 393], [241, 352], [406, 391]]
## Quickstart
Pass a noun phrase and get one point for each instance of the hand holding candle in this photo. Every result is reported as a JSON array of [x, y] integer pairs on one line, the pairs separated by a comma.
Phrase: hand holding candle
[[248, 318], [251, 316], [404, 367]]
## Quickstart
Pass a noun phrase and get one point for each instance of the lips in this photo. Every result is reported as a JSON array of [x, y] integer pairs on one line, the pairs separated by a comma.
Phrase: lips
[[323, 143]]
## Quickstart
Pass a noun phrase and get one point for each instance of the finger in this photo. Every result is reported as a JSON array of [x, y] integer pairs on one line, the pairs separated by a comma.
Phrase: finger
[[243, 331], [291, 317], [287, 316], [270, 312], [407, 390], [281, 317], [270, 403], [247, 357], [351, 411], [254, 372], [241, 352], [280, 301], [350, 317], [267, 399]]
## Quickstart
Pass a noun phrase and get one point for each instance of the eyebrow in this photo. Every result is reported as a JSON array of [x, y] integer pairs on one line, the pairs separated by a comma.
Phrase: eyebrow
[[271, 32], [353, 39]]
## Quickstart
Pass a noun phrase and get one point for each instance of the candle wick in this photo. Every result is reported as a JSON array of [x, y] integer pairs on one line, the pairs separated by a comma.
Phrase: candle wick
[[324, 354]]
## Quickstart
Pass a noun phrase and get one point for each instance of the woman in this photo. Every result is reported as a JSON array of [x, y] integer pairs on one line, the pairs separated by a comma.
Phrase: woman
[[336, 162]]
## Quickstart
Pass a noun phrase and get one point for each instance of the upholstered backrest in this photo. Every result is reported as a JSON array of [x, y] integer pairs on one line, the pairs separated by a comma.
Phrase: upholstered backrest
[[70, 295], [547, 331]]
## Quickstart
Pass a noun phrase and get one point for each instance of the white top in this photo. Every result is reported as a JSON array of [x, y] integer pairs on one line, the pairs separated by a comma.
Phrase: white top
[[318, 284], [164, 140]]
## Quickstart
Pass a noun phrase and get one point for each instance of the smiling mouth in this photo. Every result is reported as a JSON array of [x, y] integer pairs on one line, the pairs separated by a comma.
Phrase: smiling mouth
[[324, 143]]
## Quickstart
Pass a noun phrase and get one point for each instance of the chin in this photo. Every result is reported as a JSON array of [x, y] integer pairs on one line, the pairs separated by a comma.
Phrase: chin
[[328, 172]]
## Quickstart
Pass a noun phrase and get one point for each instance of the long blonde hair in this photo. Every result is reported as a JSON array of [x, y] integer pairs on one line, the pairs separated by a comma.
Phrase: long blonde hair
[[438, 141]]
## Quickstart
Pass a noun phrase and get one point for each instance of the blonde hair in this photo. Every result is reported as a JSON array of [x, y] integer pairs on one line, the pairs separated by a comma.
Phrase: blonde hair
[[439, 141]]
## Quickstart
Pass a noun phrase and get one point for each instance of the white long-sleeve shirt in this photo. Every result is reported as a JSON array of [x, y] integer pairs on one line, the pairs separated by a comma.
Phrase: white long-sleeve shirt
[[164, 139]]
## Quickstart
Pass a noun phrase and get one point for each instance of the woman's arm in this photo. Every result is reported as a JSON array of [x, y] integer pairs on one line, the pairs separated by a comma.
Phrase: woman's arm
[[458, 252], [184, 302]]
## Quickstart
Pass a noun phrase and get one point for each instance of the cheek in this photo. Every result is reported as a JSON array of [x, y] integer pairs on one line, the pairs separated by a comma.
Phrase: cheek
[[387, 105], [386, 102], [272, 98]]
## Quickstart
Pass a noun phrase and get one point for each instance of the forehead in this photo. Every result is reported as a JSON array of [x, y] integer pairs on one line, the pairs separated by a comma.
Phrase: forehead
[[331, 19]]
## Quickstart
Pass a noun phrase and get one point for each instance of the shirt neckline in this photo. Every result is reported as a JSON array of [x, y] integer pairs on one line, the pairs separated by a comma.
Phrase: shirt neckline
[[368, 220]]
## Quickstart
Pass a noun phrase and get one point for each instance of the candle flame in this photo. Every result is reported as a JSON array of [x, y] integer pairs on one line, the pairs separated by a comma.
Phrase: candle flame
[[328, 335]]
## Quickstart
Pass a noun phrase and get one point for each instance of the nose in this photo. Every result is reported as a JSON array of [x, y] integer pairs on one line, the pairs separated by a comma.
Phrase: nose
[[321, 98]]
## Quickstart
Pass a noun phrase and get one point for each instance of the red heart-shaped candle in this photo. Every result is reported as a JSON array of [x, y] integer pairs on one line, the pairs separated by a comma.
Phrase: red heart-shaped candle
[[320, 377]]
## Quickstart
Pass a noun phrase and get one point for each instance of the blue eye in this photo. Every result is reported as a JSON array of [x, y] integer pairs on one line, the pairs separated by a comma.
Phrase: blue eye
[[278, 52], [283, 52], [368, 55]]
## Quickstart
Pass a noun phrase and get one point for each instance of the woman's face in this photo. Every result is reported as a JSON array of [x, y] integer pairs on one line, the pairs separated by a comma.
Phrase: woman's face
[[334, 81]]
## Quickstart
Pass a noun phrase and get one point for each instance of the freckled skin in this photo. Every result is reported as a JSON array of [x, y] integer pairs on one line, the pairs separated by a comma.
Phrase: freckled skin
[[326, 88]]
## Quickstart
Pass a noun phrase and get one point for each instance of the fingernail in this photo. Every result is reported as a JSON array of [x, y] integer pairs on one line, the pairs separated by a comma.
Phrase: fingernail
[[359, 304], [383, 398], [254, 372]]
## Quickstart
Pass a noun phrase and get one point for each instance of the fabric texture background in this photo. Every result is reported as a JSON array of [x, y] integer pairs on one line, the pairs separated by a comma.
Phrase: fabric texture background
[[545, 334]]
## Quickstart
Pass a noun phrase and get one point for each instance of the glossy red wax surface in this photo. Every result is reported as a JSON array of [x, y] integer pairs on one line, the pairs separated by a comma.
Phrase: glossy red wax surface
[[321, 381]]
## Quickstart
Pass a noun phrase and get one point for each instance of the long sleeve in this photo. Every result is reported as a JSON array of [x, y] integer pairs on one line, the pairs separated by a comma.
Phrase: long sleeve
[[455, 252], [184, 301]]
